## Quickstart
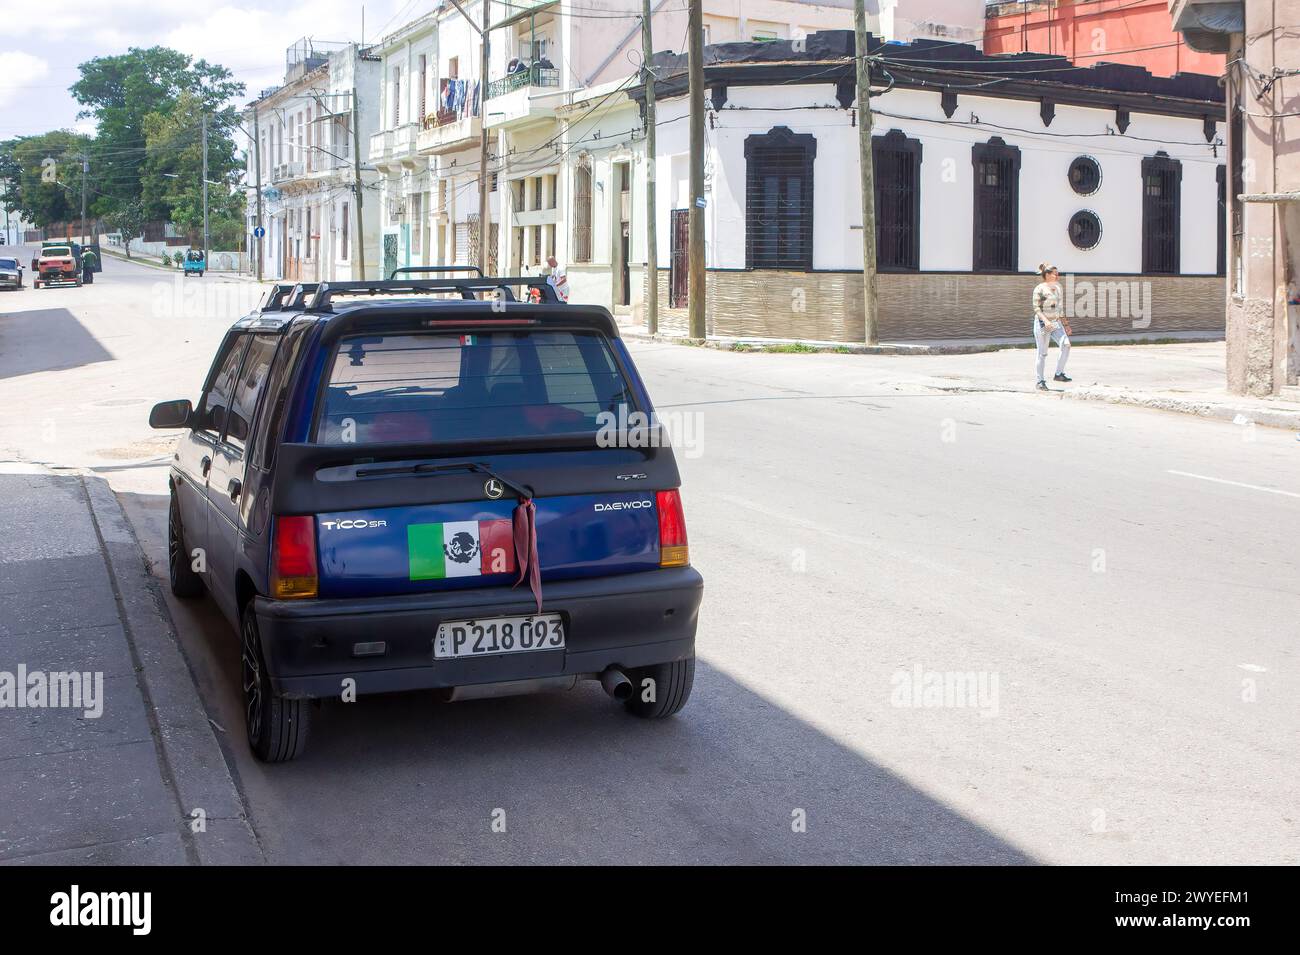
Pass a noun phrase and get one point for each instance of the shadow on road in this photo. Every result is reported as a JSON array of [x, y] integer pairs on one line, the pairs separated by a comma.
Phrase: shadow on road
[[405, 779], [52, 340]]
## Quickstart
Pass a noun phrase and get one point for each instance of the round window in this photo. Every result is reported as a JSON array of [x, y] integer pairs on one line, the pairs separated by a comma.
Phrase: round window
[[1085, 229], [1085, 175]]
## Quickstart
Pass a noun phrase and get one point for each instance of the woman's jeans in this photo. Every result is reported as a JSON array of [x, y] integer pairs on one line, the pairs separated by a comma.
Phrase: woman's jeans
[[1042, 336]]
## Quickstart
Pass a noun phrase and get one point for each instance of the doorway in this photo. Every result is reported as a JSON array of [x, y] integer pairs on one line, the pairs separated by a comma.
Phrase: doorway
[[679, 258]]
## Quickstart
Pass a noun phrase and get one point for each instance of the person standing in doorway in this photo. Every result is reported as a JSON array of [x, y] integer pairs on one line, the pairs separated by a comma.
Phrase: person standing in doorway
[[1050, 323]]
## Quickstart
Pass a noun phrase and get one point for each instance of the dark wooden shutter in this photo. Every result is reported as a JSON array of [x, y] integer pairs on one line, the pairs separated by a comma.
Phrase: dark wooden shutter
[[1161, 187], [779, 200], [679, 249], [997, 206], [1221, 220], [896, 161]]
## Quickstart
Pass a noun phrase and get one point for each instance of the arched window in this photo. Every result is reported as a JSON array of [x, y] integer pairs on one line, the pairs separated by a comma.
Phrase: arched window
[[582, 212], [997, 206], [779, 200], [1162, 179], [896, 161]]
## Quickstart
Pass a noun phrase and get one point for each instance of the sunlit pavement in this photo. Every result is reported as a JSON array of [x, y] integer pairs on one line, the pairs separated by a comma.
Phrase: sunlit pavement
[[1127, 619]]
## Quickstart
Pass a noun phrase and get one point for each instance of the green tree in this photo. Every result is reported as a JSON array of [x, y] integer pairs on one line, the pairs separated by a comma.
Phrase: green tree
[[121, 92], [128, 219], [172, 174], [40, 176]]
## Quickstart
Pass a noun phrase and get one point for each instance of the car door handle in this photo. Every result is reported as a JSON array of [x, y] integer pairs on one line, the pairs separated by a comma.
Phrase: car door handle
[[205, 463], [235, 487]]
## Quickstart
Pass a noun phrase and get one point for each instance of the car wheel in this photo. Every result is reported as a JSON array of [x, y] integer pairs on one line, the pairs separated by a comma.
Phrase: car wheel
[[276, 726], [669, 690], [180, 573]]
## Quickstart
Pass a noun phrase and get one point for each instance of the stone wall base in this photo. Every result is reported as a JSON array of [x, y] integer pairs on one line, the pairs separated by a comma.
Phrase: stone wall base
[[827, 306]]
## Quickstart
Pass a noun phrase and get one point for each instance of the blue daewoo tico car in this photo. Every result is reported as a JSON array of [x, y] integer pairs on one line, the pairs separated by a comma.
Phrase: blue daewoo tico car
[[414, 484]]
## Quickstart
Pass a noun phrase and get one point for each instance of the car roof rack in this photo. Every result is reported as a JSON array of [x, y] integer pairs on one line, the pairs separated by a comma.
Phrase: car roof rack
[[433, 269], [466, 287], [273, 301], [298, 297]]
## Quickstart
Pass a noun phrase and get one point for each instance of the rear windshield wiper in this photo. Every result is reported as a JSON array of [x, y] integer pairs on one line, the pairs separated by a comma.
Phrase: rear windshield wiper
[[521, 490]]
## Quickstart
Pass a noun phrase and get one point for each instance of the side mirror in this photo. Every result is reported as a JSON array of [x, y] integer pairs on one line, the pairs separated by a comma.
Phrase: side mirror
[[171, 414]]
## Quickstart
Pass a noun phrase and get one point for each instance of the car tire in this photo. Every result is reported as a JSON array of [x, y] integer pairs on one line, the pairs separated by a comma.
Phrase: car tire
[[672, 685], [185, 583], [276, 726]]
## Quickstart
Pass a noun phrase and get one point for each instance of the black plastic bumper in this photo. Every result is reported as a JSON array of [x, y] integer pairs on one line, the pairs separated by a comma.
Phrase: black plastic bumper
[[629, 620]]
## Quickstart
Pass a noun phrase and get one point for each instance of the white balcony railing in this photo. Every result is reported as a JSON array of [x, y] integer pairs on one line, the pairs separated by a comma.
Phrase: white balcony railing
[[404, 140], [283, 171], [452, 132], [381, 144]]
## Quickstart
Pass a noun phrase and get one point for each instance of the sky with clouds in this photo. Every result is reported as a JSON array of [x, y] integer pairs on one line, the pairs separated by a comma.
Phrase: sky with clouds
[[248, 37]]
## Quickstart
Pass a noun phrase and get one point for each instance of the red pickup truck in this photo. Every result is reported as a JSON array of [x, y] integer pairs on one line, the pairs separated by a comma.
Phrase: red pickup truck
[[56, 265]]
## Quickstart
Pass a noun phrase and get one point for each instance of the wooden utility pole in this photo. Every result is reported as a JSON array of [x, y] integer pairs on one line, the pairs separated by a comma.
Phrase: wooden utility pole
[[356, 185], [85, 168], [206, 237], [872, 332], [484, 180], [651, 212], [695, 217], [257, 182]]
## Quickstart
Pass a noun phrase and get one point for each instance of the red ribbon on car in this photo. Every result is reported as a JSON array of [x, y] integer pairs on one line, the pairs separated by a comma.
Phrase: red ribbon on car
[[524, 521]]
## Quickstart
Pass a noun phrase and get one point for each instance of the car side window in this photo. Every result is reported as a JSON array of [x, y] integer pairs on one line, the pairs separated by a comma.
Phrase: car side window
[[270, 420], [216, 403], [252, 376]]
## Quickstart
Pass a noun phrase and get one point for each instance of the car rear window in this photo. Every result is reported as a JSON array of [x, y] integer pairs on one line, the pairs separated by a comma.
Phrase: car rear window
[[54, 250], [434, 387]]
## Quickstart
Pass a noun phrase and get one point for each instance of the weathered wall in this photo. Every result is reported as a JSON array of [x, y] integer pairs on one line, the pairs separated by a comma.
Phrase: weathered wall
[[827, 306]]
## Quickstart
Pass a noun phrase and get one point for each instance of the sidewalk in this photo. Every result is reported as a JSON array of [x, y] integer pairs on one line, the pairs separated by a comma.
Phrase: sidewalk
[[105, 749], [1188, 376]]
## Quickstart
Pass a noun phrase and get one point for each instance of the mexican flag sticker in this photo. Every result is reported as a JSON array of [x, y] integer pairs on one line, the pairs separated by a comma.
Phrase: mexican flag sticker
[[460, 549]]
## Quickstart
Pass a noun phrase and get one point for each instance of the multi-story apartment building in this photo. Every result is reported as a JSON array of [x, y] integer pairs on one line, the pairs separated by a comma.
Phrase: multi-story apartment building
[[408, 66], [304, 159], [545, 62]]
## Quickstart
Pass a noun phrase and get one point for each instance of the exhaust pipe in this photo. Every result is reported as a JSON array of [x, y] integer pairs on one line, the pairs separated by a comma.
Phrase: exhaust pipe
[[615, 682]]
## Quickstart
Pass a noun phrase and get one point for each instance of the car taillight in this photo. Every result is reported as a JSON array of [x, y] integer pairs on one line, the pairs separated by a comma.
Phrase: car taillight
[[293, 557], [673, 550]]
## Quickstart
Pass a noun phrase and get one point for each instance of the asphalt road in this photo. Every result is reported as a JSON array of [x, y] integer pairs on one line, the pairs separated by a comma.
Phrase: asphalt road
[[1121, 585]]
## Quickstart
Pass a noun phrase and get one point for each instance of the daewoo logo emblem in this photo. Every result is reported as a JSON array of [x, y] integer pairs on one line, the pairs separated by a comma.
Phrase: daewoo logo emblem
[[493, 489]]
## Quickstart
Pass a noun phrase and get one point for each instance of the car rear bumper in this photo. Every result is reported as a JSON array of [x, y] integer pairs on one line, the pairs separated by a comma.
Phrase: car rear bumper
[[628, 620]]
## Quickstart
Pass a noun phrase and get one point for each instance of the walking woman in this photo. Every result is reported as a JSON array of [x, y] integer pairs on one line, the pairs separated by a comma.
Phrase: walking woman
[[1050, 323]]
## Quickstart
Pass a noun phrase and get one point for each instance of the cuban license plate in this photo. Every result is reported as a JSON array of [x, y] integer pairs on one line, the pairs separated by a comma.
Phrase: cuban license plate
[[497, 635]]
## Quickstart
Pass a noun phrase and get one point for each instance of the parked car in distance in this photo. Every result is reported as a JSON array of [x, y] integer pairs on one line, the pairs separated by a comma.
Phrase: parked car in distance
[[11, 273], [396, 490], [56, 265]]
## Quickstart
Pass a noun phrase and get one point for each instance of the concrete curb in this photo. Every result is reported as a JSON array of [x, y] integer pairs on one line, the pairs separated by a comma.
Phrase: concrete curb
[[1221, 411], [190, 751], [1217, 410]]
